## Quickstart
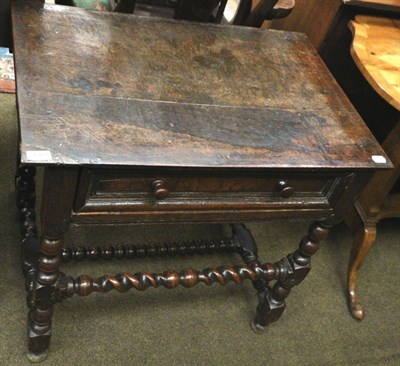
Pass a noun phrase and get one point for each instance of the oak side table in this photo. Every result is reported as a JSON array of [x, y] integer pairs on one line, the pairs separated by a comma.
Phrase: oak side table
[[139, 120]]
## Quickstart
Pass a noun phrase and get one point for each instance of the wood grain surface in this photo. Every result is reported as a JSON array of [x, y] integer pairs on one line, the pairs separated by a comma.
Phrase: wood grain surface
[[376, 51], [113, 89], [312, 17], [387, 5]]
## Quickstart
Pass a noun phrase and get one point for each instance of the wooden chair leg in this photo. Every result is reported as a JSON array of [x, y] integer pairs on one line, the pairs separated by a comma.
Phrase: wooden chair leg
[[363, 240]]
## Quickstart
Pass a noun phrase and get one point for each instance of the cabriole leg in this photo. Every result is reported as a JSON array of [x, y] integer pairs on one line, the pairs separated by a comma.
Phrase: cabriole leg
[[363, 240]]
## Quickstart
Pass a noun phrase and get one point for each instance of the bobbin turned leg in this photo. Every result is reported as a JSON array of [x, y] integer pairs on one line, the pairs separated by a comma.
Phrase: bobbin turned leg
[[292, 270], [39, 319], [55, 213], [26, 200]]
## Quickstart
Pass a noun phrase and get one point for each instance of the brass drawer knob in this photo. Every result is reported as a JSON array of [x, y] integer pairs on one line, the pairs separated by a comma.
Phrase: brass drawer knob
[[160, 191], [285, 190]]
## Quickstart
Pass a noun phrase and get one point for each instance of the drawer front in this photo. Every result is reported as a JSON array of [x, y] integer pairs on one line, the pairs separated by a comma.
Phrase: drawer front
[[163, 193]]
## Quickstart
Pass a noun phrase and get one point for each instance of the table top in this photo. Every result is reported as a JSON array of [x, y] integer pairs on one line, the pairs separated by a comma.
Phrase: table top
[[98, 88], [376, 51], [387, 5]]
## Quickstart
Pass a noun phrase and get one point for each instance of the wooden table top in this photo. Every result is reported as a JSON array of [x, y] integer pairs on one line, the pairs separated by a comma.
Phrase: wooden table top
[[376, 51], [113, 89], [387, 5]]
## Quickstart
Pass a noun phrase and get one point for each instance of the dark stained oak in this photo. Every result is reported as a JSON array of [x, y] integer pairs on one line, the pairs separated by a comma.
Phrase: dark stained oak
[[119, 97], [140, 120]]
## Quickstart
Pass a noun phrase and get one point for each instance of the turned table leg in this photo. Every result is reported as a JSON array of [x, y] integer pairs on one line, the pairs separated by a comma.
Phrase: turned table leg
[[26, 200], [294, 268], [41, 262], [42, 295], [249, 252]]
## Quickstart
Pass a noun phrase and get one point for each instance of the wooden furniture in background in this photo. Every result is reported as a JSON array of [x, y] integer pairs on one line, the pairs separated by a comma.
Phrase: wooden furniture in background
[[387, 5], [248, 13], [312, 17], [263, 10], [5, 24], [325, 21], [376, 52], [178, 123]]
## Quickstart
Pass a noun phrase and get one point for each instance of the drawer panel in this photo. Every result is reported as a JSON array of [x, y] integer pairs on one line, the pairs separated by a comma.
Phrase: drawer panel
[[162, 191], [103, 186]]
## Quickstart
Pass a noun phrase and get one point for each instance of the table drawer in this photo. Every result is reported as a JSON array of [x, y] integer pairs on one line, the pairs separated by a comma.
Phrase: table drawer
[[171, 191]]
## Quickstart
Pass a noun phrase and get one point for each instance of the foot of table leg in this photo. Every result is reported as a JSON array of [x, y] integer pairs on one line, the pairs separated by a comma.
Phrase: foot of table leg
[[363, 240], [39, 323], [36, 358], [291, 271], [38, 340], [269, 309]]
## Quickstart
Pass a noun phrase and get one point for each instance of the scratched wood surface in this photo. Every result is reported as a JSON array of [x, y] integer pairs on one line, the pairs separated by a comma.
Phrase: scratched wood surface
[[112, 89]]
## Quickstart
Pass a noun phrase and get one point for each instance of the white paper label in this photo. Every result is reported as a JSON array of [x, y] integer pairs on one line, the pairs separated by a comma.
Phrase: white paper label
[[38, 155], [379, 159]]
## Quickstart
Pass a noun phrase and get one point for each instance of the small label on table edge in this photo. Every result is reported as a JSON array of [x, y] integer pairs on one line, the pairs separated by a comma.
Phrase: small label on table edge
[[379, 159], [38, 155]]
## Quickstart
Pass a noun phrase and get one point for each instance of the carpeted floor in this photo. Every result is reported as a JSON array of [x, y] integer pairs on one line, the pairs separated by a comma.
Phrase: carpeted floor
[[203, 326]]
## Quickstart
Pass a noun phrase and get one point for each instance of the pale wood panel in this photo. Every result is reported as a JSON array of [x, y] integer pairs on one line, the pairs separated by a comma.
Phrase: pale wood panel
[[376, 51], [392, 5]]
